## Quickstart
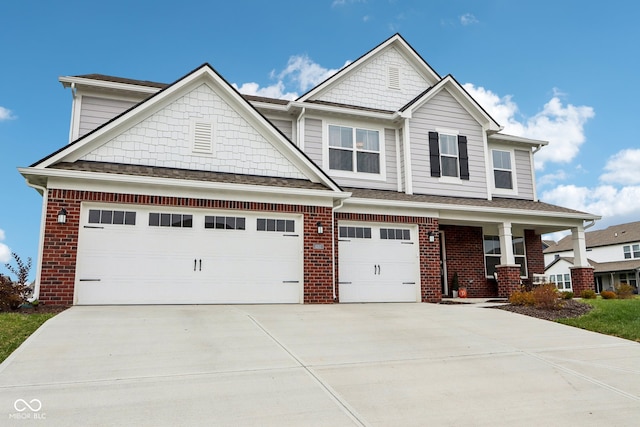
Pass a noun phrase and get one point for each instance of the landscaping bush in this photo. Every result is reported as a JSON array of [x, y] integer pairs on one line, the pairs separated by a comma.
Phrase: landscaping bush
[[522, 297], [608, 295], [12, 295], [588, 294], [546, 297], [566, 295], [624, 290]]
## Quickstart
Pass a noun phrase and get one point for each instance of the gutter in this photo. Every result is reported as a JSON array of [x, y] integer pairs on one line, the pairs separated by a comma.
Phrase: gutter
[[45, 200]]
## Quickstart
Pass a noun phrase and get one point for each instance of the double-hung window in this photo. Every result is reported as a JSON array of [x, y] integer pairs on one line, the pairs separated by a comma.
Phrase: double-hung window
[[449, 155], [354, 149], [631, 251], [492, 253], [502, 169]]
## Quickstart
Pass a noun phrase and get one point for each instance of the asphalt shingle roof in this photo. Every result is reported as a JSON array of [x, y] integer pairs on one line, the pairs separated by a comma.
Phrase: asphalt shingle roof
[[613, 235]]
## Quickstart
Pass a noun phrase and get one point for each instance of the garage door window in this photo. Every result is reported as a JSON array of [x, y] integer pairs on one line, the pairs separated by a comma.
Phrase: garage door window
[[395, 234], [224, 222], [278, 225], [355, 232], [100, 216], [170, 220]]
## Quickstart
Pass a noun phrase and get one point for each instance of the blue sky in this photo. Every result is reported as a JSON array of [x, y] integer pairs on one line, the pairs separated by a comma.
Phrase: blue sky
[[554, 70]]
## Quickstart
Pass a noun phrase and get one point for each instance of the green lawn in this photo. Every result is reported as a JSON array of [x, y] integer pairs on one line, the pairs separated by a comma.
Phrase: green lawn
[[15, 328], [617, 317]]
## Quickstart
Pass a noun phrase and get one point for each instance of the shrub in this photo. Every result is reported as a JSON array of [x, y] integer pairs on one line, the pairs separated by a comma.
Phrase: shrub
[[12, 295], [546, 296], [522, 297], [21, 270], [588, 294], [566, 295], [608, 295], [624, 290]]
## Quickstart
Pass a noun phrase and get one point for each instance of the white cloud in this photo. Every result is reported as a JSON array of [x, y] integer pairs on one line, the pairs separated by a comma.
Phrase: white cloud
[[561, 125], [5, 252], [338, 3], [551, 178], [6, 114], [300, 74], [622, 168], [468, 19], [605, 200]]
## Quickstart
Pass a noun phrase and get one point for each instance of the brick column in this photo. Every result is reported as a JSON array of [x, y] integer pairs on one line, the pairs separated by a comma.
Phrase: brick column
[[508, 279], [582, 279], [430, 286]]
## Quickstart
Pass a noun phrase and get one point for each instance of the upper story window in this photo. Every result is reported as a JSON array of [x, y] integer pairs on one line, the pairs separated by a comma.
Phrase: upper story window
[[354, 149], [631, 251], [502, 169], [448, 155]]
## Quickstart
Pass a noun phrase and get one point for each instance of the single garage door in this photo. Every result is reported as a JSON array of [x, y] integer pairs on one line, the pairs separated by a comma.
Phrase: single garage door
[[142, 255], [378, 263]]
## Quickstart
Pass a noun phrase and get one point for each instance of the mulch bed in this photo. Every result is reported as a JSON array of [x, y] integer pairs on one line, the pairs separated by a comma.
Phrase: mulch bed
[[42, 309], [570, 308]]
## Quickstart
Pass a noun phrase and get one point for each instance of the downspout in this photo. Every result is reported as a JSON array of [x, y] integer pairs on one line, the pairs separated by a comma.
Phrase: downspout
[[73, 112], [590, 224], [43, 218], [533, 173], [333, 245], [300, 128]]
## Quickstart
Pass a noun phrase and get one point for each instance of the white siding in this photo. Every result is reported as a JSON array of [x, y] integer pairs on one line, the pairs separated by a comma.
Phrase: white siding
[[95, 112], [367, 85], [163, 139], [313, 140], [523, 174], [285, 126], [443, 111]]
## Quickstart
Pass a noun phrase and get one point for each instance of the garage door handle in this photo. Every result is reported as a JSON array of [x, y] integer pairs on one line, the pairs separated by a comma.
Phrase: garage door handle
[[344, 283], [200, 268], [290, 281], [376, 269], [195, 264], [408, 283], [406, 243]]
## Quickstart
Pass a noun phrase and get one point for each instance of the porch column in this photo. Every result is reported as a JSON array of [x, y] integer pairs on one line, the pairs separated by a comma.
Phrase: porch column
[[579, 247], [581, 273], [508, 271]]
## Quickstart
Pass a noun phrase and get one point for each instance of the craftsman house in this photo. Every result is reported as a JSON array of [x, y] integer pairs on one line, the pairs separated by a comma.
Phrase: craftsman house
[[377, 185], [614, 254]]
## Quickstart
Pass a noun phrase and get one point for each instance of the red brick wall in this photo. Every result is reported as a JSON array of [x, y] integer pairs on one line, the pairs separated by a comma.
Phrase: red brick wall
[[429, 252], [535, 257], [582, 279], [508, 280], [465, 255], [61, 240]]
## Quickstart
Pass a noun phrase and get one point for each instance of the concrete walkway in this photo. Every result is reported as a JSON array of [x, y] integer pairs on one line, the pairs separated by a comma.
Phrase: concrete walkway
[[337, 365]]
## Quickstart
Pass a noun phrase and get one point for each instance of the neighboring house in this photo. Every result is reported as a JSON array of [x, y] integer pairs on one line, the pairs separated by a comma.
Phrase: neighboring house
[[378, 184], [614, 254]]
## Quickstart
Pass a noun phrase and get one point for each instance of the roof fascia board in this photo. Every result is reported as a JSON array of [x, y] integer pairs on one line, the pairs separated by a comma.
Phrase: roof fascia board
[[148, 181], [422, 66], [311, 106], [501, 137], [67, 81]]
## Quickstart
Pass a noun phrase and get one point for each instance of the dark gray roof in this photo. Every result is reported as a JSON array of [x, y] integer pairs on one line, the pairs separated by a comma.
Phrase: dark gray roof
[[614, 266], [613, 235], [462, 201], [195, 175]]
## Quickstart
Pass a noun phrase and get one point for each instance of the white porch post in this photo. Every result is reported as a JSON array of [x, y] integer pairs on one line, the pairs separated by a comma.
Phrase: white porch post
[[506, 244], [579, 247]]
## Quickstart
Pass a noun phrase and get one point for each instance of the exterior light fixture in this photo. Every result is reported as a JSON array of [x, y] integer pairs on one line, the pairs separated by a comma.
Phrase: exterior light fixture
[[62, 216], [320, 228], [432, 236]]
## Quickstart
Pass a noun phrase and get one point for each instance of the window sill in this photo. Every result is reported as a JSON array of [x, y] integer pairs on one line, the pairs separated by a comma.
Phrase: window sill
[[358, 175], [450, 180]]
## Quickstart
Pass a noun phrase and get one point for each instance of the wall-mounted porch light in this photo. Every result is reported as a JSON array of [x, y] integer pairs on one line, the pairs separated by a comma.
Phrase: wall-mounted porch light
[[320, 228], [62, 216], [432, 236]]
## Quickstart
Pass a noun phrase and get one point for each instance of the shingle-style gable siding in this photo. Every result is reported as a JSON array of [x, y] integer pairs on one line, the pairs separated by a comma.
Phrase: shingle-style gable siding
[[97, 111], [368, 85], [523, 175], [443, 111], [163, 140]]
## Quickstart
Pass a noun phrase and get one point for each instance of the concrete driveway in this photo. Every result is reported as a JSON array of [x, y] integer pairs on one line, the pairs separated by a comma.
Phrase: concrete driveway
[[337, 365]]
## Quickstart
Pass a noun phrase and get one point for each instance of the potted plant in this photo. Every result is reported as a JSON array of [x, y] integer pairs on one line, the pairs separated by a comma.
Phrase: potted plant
[[455, 285]]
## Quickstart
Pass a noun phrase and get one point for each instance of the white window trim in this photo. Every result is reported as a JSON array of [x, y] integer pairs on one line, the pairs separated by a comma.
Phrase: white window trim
[[382, 176], [448, 179], [514, 178]]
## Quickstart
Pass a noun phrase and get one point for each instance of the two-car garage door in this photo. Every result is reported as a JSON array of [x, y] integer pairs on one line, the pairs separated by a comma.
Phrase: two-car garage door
[[142, 255]]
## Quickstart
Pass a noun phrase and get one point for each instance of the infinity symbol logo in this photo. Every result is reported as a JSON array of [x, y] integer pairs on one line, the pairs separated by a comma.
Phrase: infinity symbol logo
[[22, 405]]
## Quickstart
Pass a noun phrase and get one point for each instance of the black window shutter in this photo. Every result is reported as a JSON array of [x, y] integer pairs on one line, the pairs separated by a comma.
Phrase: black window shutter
[[434, 153], [464, 157]]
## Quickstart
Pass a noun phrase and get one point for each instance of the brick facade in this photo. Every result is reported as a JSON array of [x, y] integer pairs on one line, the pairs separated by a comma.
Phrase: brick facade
[[61, 240], [582, 279], [508, 279], [535, 256], [430, 289]]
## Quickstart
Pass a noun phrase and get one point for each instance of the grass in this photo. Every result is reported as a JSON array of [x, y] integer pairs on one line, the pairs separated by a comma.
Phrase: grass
[[15, 328], [617, 317]]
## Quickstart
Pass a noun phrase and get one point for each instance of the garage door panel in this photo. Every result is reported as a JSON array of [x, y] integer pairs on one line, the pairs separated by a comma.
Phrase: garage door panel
[[152, 264]]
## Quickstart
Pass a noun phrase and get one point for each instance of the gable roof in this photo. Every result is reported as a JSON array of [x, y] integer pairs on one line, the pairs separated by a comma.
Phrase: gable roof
[[602, 267], [396, 40], [203, 74], [613, 235]]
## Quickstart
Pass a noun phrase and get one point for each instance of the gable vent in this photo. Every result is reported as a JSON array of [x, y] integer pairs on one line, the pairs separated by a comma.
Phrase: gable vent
[[202, 137], [393, 77]]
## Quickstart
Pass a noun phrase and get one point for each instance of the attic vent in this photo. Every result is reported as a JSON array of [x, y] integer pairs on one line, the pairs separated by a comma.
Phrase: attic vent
[[393, 74], [202, 136]]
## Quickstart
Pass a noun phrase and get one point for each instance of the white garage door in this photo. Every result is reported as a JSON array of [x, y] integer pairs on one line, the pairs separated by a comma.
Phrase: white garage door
[[378, 263], [141, 255]]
